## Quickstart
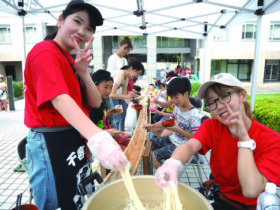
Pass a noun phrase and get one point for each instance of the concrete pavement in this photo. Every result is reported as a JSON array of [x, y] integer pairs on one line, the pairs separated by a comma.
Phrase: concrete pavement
[[13, 130]]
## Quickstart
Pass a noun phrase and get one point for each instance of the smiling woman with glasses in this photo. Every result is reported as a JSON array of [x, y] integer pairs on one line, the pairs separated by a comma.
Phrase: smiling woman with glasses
[[211, 105], [244, 153]]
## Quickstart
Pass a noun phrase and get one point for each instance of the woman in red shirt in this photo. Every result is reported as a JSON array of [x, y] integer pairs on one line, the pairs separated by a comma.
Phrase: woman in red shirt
[[244, 153], [58, 95]]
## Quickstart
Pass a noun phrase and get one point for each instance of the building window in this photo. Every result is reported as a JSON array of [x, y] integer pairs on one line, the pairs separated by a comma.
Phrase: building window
[[5, 34], [137, 41], [140, 57], [274, 33], [223, 36], [171, 42], [168, 57], [239, 68], [249, 31], [30, 34], [272, 71]]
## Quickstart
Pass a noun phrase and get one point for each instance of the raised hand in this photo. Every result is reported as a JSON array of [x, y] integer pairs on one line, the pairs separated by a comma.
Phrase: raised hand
[[166, 175], [83, 57], [131, 94], [113, 132], [107, 151], [147, 126], [173, 128], [156, 111], [235, 121]]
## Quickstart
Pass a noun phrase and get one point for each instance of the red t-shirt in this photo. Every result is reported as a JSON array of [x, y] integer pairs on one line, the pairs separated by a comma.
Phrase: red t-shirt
[[129, 85], [223, 161], [48, 74]]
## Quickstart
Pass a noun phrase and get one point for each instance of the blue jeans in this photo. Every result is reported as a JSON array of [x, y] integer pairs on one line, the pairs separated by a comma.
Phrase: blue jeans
[[163, 147], [160, 118], [40, 172], [118, 119]]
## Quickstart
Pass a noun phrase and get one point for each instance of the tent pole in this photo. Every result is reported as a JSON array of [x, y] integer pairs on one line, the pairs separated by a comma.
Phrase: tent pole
[[205, 42], [23, 47], [256, 60], [204, 57]]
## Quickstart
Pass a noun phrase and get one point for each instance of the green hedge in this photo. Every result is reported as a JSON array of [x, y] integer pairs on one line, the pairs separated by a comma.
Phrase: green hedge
[[195, 86], [267, 112], [18, 89]]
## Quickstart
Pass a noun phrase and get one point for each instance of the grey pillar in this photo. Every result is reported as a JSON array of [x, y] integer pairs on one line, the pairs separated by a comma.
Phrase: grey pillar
[[11, 92], [107, 49], [98, 53]]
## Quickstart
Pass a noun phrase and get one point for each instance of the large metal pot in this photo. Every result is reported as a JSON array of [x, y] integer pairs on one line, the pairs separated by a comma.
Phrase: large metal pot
[[115, 196]]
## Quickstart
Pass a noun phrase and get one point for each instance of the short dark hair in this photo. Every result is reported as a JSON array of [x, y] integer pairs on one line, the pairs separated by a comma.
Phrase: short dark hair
[[101, 76], [171, 74], [136, 65], [158, 83], [179, 85], [137, 88]]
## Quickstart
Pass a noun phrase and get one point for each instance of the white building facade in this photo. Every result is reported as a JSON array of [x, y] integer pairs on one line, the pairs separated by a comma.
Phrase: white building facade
[[232, 51]]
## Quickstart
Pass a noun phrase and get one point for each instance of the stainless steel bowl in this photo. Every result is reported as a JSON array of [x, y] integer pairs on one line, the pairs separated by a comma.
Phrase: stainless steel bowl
[[115, 196]]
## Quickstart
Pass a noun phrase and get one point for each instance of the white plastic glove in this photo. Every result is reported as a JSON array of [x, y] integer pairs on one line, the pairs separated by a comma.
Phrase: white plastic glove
[[166, 175], [107, 151]]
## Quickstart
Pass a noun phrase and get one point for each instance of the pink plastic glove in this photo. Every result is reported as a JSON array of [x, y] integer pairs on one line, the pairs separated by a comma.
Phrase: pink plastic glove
[[166, 175], [107, 151]]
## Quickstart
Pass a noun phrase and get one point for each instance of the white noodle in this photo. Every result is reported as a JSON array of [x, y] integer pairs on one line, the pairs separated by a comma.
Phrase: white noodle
[[130, 188], [171, 199]]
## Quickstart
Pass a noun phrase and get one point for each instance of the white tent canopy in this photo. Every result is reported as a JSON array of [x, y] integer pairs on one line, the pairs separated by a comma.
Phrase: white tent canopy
[[197, 19], [176, 18]]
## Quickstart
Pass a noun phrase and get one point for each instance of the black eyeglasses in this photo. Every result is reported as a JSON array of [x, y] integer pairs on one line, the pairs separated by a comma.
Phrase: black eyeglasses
[[225, 98]]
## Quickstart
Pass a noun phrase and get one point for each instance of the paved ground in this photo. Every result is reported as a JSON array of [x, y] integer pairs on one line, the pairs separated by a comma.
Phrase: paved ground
[[12, 130]]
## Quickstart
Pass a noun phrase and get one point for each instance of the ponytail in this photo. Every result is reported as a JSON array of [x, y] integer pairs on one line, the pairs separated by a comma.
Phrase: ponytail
[[50, 36], [127, 41]]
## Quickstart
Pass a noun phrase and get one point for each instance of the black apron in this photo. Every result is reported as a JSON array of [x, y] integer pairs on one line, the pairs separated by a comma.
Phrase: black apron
[[67, 151]]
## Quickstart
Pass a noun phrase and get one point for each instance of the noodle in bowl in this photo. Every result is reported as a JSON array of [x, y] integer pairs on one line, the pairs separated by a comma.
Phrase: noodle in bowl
[[114, 196]]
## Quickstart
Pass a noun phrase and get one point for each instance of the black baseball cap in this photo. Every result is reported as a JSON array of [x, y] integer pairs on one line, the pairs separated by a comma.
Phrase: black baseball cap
[[93, 11]]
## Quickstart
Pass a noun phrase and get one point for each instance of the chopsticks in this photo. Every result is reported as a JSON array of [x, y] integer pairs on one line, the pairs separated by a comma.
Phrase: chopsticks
[[18, 203]]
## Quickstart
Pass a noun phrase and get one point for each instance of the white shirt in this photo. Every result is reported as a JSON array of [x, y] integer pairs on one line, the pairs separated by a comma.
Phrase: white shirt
[[188, 121], [115, 63]]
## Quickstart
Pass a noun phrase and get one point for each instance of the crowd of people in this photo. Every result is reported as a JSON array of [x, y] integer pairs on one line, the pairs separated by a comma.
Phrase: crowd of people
[[70, 112]]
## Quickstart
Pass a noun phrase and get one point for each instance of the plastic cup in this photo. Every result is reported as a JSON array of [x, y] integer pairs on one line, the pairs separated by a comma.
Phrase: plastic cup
[[119, 108]]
